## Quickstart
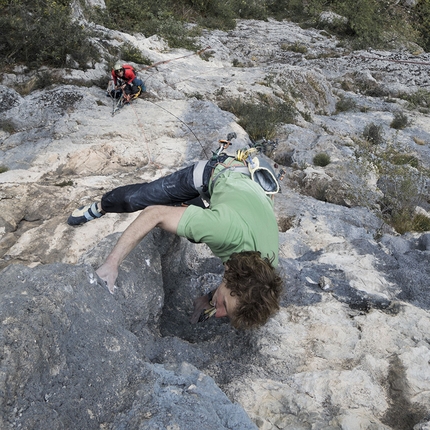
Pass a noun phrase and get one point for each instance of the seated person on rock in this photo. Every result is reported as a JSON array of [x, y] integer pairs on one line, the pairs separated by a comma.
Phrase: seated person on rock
[[239, 227], [124, 80]]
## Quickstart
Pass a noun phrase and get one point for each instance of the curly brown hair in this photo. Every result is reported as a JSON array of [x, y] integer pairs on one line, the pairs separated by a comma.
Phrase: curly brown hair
[[257, 286]]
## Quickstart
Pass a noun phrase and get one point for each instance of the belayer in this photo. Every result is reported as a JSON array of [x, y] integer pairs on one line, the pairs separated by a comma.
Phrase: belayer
[[124, 81], [239, 227]]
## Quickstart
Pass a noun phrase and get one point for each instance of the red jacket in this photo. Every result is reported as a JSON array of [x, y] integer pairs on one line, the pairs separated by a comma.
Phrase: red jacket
[[128, 75]]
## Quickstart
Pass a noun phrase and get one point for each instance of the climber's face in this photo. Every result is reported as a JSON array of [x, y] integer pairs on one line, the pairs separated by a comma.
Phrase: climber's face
[[224, 303]]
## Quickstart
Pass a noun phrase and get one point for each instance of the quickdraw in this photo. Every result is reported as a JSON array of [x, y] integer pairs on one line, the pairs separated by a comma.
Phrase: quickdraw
[[210, 312]]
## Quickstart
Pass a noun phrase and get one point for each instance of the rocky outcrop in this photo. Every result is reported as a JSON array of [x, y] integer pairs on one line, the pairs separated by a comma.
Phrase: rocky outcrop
[[74, 356], [350, 347]]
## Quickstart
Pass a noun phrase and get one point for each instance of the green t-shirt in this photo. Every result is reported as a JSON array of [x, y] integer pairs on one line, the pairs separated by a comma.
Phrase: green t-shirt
[[240, 218]]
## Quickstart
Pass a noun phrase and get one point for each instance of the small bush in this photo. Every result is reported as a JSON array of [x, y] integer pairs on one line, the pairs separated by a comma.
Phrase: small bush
[[198, 96], [307, 116], [3, 168], [64, 184], [421, 18], [372, 89], [295, 47], [401, 221], [44, 79], [421, 223], [402, 159], [403, 192], [207, 55], [237, 63], [8, 126], [321, 159], [400, 121], [38, 32], [418, 100], [373, 134], [345, 104], [130, 53], [401, 180], [249, 9], [103, 81], [261, 118], [320, 192], [177, 34]]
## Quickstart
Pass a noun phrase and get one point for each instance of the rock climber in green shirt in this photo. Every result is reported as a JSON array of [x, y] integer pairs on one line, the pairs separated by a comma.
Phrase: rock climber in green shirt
[[239, 227]]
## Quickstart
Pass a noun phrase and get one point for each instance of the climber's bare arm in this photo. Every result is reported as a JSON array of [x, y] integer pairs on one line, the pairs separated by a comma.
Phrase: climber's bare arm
[[165, 217]]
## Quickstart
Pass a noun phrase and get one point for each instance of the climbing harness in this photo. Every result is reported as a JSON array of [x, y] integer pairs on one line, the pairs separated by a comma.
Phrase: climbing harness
[[124, 99], [251, 163]]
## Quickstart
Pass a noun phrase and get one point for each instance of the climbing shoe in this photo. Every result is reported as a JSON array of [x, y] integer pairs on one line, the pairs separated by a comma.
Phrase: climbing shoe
[[84, 214]]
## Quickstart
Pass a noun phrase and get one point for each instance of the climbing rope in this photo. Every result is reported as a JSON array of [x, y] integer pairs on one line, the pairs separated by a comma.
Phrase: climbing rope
[[158, 63], [423, 63]]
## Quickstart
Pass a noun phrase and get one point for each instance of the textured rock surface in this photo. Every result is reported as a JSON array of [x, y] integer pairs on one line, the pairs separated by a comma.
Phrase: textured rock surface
[[350, 348]]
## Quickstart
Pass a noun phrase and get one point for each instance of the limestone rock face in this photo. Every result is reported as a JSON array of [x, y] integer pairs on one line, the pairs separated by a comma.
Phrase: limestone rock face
[[350, 346], [70, 358]]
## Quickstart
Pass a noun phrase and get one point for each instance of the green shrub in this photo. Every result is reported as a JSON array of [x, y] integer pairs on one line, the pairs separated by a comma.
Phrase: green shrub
[[3, 168], [418, 100], [407, 221], [421, 223], [365, 21], [373, 134], [401, 179], [402, 159], [177, 34], [422, 21], [249, 9], [369, 23], [198, 96], [64, 184], [38, 32], [44, 79], [295, 47], [372, 89], [8, 126], [403, 191], [130, 53], [320, 192], [345, 104], [166, 18], [103, 81], [321, 159], [260, 118], [237, 63], [400, 121]]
